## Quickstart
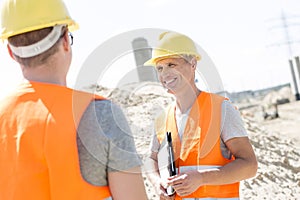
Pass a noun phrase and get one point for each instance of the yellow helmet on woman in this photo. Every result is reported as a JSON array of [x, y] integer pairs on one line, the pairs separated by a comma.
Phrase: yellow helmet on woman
[[172, 44], [21, 16]]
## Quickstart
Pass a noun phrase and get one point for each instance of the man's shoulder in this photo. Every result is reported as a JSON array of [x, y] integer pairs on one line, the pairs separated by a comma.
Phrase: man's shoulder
[[214, 95], [87, 94]]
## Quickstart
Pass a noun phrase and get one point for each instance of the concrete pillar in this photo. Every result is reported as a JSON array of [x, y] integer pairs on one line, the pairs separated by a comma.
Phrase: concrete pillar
[[142, 53], [297, 71], [294, 83]]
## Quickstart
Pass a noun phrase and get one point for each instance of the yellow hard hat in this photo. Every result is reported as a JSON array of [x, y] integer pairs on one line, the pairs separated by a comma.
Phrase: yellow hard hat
[[21, 16], [172, 44]]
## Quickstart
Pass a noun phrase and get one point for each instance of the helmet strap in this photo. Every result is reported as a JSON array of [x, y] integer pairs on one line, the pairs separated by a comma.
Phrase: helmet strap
[[39, 47]]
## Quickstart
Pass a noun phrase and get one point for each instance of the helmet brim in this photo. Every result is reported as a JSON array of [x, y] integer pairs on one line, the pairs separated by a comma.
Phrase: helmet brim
[[154, 60]]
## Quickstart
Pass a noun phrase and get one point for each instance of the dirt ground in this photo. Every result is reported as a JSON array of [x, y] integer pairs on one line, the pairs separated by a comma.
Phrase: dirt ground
[[276, 142], [288, 122], [277, 146]]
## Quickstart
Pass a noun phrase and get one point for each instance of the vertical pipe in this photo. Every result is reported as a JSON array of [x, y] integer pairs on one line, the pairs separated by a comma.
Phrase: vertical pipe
[[298, 72], [296, 91]]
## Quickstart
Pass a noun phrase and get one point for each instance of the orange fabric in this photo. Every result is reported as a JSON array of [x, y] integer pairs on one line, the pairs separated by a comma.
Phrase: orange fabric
[[38, 149], [200, 145]]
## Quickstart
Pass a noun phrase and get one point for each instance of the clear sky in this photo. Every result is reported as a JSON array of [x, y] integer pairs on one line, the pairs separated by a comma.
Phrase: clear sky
[[235, 34]]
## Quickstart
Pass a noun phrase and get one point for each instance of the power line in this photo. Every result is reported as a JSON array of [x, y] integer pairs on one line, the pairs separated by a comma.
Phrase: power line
[[287, 41]]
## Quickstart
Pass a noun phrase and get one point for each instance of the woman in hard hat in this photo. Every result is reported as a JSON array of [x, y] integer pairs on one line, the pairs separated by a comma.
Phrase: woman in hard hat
[[55, 142], [211, 149]]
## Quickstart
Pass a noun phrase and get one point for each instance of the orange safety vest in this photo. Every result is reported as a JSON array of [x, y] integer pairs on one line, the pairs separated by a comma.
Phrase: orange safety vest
[[199, 147], [38, 149]]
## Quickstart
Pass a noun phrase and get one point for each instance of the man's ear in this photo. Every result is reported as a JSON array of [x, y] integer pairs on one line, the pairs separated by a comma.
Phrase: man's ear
[[194, 63], [194, 66], [66, 42], [10, 52]]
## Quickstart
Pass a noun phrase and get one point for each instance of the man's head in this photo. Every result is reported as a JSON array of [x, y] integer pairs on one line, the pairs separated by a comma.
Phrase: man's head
[[175, 59], [173, 45], [34, 28]]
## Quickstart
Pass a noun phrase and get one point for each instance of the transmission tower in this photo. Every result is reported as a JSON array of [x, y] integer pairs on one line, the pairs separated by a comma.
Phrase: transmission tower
[[288, 42]]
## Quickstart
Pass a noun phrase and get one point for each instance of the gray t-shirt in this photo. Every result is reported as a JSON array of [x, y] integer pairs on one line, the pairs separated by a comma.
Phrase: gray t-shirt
[[105, 142], [232, 126]]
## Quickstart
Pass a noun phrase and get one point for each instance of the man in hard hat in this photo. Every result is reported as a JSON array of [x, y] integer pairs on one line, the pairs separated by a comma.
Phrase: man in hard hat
[[211, 149], [57, 143]]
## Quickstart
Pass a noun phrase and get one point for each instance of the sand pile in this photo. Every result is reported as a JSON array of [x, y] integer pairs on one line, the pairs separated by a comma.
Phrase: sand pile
[[278, 154], [278, 174]]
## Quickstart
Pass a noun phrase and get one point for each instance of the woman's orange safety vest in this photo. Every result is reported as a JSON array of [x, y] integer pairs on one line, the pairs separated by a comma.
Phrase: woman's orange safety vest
[[199, 147], [38, 149]]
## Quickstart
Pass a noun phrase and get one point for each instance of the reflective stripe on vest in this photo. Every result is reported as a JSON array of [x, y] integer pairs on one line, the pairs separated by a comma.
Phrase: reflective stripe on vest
[[210, 198], [38, 147], [204, 167], [200, 144]]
